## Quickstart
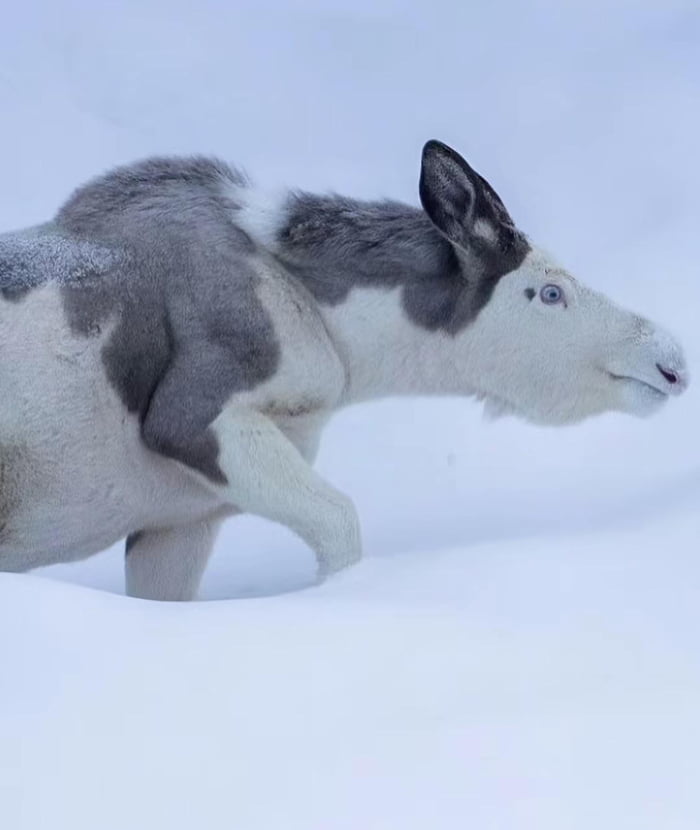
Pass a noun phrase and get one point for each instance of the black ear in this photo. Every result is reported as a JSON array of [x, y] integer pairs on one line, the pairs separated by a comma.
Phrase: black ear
[[456, 197]]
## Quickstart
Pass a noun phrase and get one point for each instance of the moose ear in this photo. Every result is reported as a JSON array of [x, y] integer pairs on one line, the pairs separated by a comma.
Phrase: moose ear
[[459, 202]]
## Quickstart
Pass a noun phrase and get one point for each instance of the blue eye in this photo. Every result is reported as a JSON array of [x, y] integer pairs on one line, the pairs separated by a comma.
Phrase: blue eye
[[551, 294]]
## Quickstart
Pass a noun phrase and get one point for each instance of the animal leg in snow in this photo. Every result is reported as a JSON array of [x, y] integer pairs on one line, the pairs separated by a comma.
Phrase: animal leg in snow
[[168, 564]]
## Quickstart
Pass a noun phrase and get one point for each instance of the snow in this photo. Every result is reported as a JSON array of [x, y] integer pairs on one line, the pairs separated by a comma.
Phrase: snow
[[519, 650]]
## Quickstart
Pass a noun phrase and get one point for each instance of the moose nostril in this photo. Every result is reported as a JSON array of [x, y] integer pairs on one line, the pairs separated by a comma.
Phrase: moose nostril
[[670, 375]]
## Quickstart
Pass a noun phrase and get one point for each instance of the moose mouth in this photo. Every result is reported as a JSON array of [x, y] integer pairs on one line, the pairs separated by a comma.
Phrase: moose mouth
[[660, 394]]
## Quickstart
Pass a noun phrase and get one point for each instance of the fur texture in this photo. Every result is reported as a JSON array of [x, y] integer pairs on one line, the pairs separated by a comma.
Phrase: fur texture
[[191, 330], [175, 340]]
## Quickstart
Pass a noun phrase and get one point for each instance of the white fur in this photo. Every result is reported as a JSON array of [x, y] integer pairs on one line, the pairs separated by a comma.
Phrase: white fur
[[168, 564], [77, 477], [268, 476], [549, 364], [261, 213]]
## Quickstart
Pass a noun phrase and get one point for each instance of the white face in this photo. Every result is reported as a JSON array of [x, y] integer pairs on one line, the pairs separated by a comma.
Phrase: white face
[[543, 345], [553, 351]]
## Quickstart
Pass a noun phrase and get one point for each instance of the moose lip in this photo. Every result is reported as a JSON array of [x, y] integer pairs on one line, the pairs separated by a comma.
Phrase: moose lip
[[660, 393]]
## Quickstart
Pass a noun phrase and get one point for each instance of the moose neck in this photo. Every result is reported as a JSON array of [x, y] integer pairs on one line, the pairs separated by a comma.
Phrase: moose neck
[[385, 354], [391, 290]]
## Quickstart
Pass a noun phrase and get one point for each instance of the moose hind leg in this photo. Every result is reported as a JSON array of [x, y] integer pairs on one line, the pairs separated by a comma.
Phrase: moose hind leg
[[167, 564]]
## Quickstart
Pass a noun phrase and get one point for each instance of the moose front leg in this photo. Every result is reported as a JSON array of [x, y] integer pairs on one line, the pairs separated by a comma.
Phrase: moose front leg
[[247, 461], [265, 474], [168, 564]]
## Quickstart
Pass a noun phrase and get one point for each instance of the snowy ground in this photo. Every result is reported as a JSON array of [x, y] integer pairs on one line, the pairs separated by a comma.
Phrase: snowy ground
[[521, 648]]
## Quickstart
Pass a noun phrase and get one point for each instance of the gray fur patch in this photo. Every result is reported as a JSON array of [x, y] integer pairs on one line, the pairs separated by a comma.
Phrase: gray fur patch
[[32, 257], [333, 244], [190, 330], [153, 249], [14, 293]]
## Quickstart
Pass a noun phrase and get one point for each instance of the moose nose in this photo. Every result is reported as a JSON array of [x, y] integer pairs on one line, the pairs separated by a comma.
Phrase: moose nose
[[671, 376], [676, 379], [666, 355]]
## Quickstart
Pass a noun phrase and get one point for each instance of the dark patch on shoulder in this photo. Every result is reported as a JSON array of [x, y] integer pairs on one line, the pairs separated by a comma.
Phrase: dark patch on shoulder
[[88, 302], [189, 329]]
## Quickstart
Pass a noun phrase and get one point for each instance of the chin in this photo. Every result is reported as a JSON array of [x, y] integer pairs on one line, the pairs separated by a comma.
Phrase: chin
[[636, 399], [630, 397], [562, 416], [496, 408], [639, 398], [644, 403]]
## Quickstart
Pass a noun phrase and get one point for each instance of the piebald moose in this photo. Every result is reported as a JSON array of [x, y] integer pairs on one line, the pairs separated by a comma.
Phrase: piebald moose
[[174, 341]]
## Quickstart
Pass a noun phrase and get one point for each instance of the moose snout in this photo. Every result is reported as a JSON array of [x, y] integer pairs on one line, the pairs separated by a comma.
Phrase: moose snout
[[653, 364], [676, 378], [671, 370]]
